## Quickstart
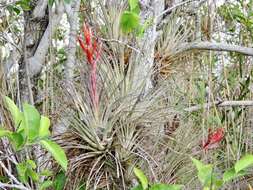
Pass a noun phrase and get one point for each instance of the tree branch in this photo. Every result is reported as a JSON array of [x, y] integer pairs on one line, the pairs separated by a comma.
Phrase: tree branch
[[205, 45], [40, 9], [36, 62], [220, 104], [12, 186], [72, 15]]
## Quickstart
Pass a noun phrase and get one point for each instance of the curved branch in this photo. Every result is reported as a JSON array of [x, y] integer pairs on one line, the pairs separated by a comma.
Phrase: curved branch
[[205, 45]]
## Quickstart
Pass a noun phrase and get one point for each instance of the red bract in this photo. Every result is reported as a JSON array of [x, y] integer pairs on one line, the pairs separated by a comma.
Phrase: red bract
[[92, 51], [214, 138]]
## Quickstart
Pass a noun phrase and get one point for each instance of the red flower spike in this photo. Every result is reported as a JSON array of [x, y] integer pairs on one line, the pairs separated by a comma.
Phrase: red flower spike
[[87, 34], [81, 44], [98, 52], [214, 138], [92, 53]]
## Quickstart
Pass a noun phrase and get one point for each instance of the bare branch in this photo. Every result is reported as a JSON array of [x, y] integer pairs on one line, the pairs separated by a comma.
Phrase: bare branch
[[21, 186], [205, 45], [220, 104], [13, 186], [123, 43], [173, 8]]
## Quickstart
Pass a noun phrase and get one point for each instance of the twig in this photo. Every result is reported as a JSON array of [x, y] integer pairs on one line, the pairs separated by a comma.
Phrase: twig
[[13, 186], [120, 42], [9, 41], [173, 7], [13, 177], [219, 104]]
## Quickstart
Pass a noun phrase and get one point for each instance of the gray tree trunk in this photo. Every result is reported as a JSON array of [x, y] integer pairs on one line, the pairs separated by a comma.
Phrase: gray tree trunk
[[144, 61]]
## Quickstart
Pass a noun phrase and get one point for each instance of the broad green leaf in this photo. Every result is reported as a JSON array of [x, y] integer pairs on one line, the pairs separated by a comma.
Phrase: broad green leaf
[[141, 177], [44, 127], [245, 162], [17, 140], [57, 152], [22, 174], [32, 122], [199, 165], [204, 171], [231, 174], [46, 173], [59, 181], [15, 113], [129, 21], [138, 187], [45, 185], [32, 174], [134, 6], [31, 164], [217, 183], [165, 187]]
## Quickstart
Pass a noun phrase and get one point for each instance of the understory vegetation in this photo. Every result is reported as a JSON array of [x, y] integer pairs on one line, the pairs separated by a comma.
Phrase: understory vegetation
[[126, 94]]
